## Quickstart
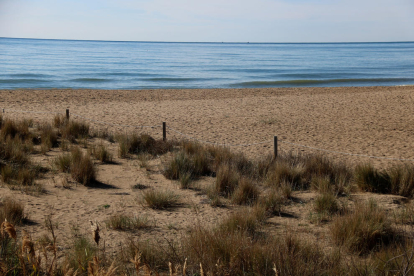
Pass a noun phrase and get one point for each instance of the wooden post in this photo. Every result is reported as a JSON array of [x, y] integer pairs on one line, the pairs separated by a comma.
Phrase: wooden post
[[275, 146], [67, 114], [164, 131]]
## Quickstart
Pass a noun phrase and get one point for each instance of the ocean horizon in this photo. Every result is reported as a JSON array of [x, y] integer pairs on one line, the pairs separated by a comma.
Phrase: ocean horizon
[[91, 64]]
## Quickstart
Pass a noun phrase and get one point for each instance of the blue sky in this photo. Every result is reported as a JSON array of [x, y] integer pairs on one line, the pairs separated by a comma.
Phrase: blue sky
[[212, 20]]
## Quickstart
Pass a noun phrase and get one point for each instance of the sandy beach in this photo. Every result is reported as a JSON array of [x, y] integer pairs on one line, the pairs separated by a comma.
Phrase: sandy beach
[[374, 121]]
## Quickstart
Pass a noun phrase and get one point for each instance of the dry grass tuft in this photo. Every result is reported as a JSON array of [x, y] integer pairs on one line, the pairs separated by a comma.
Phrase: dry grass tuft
[[227, 180], [144, 143], [124, 222], [79, 165], [246, 192], [12, 211], [363, 230], [157, 199], [101, 153]]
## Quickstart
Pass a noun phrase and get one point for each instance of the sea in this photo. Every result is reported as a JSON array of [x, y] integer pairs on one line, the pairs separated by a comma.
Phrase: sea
[[43, 63]]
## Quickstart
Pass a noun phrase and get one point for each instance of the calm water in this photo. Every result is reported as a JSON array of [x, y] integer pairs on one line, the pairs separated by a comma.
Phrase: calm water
[[32, 63]]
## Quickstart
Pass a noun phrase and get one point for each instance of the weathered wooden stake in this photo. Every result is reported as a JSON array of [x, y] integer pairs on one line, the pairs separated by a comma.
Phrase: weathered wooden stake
[[275, 146], [67, 114], [164, 131]]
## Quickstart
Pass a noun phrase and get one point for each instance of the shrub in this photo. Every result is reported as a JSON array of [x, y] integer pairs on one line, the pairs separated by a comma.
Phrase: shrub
[[364, 229], [371, 180], [160, 199], [123, 222], [246, 192]]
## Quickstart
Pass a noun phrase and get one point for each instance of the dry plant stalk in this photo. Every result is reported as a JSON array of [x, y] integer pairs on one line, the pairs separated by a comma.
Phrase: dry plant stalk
[[137, 262], [95, 231], [7, 227]]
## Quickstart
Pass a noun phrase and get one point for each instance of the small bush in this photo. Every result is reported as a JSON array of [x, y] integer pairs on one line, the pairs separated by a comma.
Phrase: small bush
[[246, 192], [370, 179], [227, 180], [123, 222], [364, 229], [160, 199], [13, 211]]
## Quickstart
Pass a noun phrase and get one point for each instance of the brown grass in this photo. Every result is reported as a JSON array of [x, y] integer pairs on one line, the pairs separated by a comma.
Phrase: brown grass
[[363, 230], [13, 211], [79, 165]]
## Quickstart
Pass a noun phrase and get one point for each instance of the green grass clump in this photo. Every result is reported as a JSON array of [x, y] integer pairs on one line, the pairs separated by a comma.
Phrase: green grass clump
[[156, 199]]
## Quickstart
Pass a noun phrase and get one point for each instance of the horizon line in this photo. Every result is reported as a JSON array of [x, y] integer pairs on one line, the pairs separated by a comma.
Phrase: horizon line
[[213, 42]]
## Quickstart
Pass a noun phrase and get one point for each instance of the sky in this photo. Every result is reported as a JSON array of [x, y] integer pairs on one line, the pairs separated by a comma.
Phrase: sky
[[210, 21]]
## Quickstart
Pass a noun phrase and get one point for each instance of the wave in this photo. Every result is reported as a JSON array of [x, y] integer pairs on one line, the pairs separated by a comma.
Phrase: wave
[[94, 80], [22, 81], [172, 79], [320, 82]]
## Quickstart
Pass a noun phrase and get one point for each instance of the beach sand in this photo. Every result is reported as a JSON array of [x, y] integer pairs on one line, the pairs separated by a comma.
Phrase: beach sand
[[363, 120], [374, 121]]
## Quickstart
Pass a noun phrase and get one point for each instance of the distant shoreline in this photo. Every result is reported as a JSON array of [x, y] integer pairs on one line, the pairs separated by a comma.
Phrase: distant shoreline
[[214, 42]]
